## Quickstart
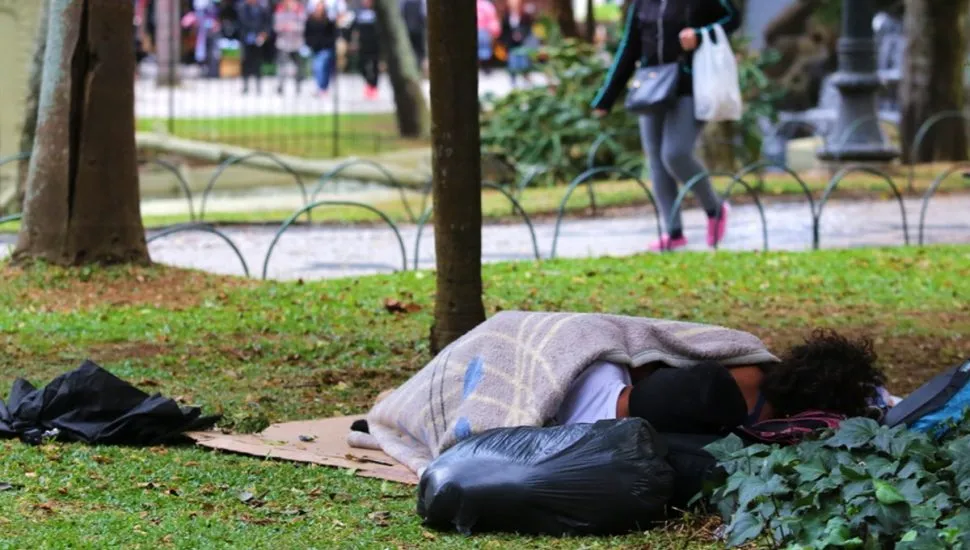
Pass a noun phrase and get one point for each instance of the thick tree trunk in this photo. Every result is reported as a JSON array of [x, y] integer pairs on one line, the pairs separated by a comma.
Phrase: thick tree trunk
[[32, 104], [82, 202], [936, 53], [563, 10], [456, 167], [168, 41], [402, 67]]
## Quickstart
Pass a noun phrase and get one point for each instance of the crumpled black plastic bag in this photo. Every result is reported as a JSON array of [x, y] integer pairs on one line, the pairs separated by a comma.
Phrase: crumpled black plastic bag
[[92, 405], [602, 478]]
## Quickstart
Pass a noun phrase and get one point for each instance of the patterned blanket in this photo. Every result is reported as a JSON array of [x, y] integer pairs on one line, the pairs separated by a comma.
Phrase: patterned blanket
[[516, 368]]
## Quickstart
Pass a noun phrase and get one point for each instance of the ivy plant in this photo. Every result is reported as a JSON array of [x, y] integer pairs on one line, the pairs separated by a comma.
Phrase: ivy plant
[[864, 486]]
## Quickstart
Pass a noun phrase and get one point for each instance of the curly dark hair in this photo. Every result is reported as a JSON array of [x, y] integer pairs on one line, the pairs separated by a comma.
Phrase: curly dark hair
[[827, 372]]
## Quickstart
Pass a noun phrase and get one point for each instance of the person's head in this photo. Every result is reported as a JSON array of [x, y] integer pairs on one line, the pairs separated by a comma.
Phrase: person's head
[[367, 4], [320, 9], [515, 6], [826, 372]]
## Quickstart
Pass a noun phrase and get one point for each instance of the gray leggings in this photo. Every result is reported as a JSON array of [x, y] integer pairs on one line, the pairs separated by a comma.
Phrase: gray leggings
[[668, 139]]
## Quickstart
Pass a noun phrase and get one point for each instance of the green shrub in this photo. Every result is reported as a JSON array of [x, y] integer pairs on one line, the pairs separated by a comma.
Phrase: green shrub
[[865, 486], [552, 126]]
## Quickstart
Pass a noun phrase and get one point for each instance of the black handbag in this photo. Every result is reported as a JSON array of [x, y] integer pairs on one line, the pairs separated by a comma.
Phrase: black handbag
[[653, 88]]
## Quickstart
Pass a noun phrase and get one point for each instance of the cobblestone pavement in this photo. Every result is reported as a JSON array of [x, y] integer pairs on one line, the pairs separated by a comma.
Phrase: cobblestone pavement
[[326, 252]]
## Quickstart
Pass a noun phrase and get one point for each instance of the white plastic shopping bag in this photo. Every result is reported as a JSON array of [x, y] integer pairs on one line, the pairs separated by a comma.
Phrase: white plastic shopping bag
[[717, 91]]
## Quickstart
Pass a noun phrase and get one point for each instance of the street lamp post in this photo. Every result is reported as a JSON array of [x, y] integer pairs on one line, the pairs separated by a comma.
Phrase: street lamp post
[[857, 136]]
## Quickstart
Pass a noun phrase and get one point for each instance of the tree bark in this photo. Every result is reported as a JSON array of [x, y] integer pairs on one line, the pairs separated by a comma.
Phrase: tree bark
[[32, 104], [456, 168], [933, 79], [82, 201], [402, 66], [168, 42], [590, 21], [563, 10]]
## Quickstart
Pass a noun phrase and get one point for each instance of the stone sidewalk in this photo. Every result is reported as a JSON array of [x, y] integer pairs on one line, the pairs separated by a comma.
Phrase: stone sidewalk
[[205, 98], [327, 252]]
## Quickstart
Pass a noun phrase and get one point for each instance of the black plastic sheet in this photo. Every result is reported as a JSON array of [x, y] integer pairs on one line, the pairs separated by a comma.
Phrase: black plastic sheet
[[92, 405]]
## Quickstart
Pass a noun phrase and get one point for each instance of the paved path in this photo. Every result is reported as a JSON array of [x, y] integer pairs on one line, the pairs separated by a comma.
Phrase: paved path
[[324, 252], [205, 98]]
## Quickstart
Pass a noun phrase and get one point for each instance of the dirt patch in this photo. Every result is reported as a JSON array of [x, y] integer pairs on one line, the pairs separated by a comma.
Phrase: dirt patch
[[121, 351], [64, 290]]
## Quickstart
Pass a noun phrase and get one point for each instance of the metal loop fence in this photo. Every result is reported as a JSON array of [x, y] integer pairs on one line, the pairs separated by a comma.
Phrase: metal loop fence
[[514, 192]]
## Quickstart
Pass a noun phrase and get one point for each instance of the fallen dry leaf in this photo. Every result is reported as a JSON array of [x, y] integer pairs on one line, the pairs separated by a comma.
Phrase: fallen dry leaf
[[397, 306], [379, 518]]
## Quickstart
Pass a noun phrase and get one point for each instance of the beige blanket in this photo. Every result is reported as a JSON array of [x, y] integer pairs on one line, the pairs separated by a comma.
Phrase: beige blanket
[[516, 368]]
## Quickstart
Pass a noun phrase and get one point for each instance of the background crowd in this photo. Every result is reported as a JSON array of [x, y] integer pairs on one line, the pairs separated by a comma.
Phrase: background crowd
[[292, 39]]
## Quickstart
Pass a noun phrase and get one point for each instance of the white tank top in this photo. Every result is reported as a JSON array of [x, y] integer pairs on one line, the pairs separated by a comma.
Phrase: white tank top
[[593, 395]]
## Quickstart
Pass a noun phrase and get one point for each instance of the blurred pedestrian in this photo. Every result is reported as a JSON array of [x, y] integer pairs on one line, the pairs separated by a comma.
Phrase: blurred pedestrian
[[255, 24], [415, 16], [368, 40], [517, 39], [289, 23], [489, 28], [320, 36]]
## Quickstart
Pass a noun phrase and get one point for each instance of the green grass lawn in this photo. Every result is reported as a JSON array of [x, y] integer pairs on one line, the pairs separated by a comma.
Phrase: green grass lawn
[[301, 135], [285, 351]]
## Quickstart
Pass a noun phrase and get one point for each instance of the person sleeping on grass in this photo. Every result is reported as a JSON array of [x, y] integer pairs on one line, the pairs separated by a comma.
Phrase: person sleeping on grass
[[827, 372]]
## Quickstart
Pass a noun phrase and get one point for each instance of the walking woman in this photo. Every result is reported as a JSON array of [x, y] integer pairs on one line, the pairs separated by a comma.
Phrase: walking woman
[[321, 37], [659, 32]]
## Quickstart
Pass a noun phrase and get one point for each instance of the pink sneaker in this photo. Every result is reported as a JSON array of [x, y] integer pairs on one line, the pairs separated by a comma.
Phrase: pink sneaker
[[717, 228], [666, 244]]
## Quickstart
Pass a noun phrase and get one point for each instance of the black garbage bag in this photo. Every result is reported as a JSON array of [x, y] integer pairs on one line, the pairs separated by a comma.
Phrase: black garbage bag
[[602, 478], [92, 405]]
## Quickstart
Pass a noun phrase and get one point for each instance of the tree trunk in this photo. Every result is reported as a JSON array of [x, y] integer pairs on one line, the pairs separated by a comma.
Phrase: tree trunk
[[590, 21], [402, 67], [32, 104], [563, 10], [456, 168], [82, 202], [933, 79], [168, 41]]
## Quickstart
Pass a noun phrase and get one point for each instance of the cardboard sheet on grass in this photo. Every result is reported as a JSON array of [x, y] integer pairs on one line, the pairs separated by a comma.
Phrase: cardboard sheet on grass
[[323, 442]]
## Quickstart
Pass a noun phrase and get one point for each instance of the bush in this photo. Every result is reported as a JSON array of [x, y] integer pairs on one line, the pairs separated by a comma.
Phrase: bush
[[865, 486], [552, 127]]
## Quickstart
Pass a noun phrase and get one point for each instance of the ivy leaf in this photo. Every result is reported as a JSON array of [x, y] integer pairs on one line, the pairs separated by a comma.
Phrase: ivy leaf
[[854, 433], [883, 440], [811, 470], [744, 528], [839, 533], [853, 472], [888, 518], [855, 489], [912, 469], [751, 490], [910, 490], [887, 494], [726, 448], [881, 467]]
